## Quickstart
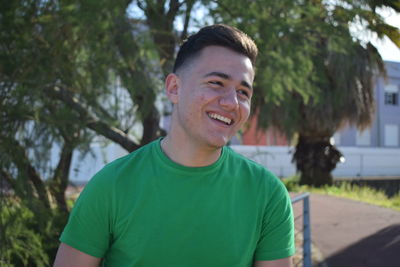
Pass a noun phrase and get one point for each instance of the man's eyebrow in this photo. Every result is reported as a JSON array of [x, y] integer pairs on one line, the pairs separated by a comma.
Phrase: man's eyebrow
[[227, 77], [219, 74], [246, 84]]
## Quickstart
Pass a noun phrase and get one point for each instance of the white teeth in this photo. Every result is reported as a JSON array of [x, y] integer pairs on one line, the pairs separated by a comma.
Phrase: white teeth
[[219, 117]]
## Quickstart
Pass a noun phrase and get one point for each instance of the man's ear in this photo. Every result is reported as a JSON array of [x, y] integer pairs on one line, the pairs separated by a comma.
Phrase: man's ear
[[172, 86]]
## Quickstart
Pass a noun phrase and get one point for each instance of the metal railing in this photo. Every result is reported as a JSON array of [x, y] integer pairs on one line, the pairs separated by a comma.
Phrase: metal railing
[[306, 228]]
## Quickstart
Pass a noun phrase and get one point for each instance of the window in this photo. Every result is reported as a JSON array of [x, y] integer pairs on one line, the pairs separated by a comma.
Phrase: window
[[363, 138], [391, 99], [391, 94], [391, 135]]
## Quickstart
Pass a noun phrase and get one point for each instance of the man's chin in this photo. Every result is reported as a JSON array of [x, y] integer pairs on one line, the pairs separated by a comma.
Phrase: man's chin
[[218, 143]]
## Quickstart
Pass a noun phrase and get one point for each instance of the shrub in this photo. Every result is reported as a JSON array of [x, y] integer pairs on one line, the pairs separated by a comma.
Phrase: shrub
[[20, 244]]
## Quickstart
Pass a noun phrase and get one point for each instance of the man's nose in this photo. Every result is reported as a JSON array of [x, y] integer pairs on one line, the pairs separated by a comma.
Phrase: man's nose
[[229, 100]]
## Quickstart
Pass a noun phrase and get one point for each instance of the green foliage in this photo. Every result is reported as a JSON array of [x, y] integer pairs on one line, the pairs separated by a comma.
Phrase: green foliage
[[71, 71], [292, 183], [20, 244], [347, 190]]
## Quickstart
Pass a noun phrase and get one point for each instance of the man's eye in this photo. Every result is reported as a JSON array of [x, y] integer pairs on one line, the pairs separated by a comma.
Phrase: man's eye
[[243, 92], [216, 83]]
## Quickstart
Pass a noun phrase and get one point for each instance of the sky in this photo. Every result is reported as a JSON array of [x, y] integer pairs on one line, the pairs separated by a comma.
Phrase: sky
[[385, 47]]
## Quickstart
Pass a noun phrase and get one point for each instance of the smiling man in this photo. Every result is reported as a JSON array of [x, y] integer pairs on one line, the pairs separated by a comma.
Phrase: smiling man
[[187, 199]]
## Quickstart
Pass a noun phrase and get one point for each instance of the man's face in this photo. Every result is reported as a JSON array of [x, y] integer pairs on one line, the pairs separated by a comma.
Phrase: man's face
[[212, 97]]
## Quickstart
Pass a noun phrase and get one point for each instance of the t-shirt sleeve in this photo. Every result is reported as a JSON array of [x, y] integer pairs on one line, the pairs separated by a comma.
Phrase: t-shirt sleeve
[[89, 225], [277, 234]]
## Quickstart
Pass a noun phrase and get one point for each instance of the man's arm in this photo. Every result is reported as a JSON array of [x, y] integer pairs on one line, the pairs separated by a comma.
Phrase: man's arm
[[286, 262], [69, 256]]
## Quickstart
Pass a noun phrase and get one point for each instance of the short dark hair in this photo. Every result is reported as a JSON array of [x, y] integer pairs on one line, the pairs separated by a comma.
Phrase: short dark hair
[[219, 35]]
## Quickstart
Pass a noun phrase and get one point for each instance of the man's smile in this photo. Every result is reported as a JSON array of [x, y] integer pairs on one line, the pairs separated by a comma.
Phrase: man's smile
[[221, 118]]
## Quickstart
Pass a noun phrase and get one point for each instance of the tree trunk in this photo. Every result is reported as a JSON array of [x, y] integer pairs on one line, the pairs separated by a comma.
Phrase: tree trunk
[[315, 158], [59, 182], [315, 177], [151, 128]]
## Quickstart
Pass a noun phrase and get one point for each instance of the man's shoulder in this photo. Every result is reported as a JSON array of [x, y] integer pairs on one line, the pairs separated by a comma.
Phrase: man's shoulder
[[125, 165], [242, 164], [241, 160], [254, 175]]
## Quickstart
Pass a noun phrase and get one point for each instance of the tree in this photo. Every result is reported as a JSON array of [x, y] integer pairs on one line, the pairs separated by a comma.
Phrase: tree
[[314, 74], [72, 72]]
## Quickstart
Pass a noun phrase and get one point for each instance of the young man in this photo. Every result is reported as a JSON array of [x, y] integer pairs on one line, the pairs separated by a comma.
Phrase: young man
[[186, 199]]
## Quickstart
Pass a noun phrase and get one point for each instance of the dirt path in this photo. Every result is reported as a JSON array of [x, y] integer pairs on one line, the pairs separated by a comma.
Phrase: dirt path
[[351, 233]]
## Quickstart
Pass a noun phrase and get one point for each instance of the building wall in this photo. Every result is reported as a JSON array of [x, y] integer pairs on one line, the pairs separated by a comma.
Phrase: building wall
[[385, 114], [255, 137], [359, 162]]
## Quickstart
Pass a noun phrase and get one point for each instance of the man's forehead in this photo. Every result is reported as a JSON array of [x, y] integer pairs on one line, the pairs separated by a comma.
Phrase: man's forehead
[[219, 56]]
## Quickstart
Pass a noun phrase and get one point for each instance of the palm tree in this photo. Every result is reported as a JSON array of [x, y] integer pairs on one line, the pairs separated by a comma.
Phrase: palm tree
[[346, 98], [343, 80]]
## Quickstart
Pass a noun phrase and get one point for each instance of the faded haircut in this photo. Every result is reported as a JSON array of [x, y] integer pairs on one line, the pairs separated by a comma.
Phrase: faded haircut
[[218, 35]]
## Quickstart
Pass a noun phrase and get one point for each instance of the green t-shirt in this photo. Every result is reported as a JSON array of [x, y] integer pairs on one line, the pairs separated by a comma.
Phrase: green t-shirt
[[146, 210]]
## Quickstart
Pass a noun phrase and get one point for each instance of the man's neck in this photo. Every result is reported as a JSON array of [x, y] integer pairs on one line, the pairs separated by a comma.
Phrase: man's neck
[[189, 154]]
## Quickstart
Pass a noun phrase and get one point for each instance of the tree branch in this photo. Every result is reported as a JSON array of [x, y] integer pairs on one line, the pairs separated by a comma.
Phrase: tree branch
[[21, 160], [140, 5], [91, 121], [174, 6], [8, 179], [189, 6]]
